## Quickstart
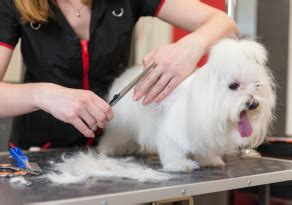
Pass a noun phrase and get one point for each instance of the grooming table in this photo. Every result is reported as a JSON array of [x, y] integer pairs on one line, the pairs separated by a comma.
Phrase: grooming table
[[239, 172]]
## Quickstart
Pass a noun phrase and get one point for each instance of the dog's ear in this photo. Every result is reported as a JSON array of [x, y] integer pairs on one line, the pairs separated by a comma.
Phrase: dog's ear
[[255, 51]]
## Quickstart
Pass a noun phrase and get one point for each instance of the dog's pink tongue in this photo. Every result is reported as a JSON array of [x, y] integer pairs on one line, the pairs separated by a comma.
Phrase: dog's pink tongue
[[244, 126]]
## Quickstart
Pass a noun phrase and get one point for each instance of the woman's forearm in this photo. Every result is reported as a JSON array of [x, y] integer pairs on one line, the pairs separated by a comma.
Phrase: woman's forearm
[[17, 99], [81, 108], [206, 24], [219, 25]]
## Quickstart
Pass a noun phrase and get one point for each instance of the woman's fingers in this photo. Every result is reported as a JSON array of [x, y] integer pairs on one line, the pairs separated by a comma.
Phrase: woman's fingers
[[87, 118], [146, 83], [82, 127], [92, 116], [104, 107], [156, 89], [149, 58], [173, 83], [90, 112], [97, 113], [175, 62], [81, 108], [99, 116]]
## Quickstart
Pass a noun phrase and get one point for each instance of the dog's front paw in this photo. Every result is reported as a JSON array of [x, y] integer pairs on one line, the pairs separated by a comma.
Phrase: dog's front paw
[[181, 166], [211, 162]]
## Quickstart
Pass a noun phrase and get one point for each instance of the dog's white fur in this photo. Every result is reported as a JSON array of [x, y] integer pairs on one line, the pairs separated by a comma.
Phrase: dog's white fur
[[193, 127], [198, 122], [84, 165]]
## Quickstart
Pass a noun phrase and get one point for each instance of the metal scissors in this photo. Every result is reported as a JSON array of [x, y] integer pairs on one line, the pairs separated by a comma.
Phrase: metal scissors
[[123, 92]]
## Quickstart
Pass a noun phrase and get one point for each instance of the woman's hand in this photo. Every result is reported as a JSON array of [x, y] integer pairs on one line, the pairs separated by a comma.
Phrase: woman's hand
[[81, 108], [175, 62]]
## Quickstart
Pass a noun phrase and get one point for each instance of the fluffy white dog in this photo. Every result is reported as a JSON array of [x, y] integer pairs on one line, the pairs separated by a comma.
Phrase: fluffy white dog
[[226, 104]]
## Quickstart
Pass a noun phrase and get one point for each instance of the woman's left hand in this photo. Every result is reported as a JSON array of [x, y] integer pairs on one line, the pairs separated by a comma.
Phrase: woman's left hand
[[175, 62]]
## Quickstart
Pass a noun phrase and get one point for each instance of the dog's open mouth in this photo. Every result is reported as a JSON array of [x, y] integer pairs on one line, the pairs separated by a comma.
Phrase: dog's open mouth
[[244, 126]]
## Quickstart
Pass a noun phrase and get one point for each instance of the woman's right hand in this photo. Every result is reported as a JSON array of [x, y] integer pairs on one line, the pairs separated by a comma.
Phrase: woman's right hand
[[81, 108]]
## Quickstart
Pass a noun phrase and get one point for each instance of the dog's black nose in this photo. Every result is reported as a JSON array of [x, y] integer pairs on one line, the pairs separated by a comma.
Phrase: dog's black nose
[[253, 105]]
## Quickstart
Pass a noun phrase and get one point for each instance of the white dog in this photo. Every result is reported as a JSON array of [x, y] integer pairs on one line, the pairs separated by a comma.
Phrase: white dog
[[226, 104]]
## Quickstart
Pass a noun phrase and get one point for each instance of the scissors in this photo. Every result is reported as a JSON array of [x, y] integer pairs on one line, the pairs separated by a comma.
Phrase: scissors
[[117, 97], [123, 92]]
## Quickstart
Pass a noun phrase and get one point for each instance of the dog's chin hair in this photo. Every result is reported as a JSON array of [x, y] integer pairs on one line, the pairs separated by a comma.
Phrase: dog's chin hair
[[85, 165]]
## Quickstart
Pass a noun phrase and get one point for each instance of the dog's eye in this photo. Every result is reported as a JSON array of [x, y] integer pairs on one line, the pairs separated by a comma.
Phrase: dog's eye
[[233, 86]]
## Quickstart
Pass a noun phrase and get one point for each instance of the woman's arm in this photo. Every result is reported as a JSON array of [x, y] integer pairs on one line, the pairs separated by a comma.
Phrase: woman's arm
[[178, 60], [14, 99], [81, 108]]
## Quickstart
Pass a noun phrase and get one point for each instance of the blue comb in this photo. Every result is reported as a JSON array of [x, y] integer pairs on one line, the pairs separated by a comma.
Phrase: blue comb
[[19, 157]]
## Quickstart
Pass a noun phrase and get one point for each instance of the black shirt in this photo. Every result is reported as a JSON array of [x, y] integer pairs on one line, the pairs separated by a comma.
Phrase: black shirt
[[53, 53]]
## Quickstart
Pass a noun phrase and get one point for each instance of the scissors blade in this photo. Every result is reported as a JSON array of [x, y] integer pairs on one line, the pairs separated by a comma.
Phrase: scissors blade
[[123, 92]]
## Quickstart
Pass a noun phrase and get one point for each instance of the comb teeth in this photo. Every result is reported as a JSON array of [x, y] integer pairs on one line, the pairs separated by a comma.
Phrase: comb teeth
[[34, 167]]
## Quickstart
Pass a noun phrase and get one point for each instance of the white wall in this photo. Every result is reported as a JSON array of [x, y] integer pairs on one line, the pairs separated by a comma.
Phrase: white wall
[[150, 33], [289, 90], [246, 16], [14, 71]]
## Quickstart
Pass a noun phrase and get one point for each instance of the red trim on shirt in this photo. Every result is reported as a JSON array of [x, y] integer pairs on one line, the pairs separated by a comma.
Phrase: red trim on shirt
[[7, 45], [90, 141], [11, 145], [159, 7], [85, 61], [46, 146]]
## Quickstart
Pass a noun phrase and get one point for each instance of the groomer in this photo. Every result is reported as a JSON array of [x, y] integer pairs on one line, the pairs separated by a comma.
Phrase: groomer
[[74, 49]]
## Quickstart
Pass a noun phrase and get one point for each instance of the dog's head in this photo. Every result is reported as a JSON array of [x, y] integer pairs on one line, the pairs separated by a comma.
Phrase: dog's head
[[244, 90]]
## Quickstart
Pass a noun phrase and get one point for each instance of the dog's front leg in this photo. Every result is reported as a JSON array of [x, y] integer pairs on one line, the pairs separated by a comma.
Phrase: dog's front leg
[[174, 159]]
